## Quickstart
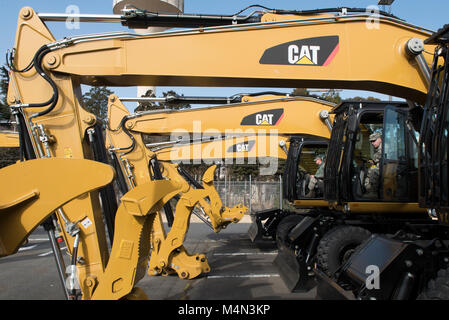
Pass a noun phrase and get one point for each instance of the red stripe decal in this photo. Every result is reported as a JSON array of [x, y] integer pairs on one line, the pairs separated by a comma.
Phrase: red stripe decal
[[279, 120], [331, 56]]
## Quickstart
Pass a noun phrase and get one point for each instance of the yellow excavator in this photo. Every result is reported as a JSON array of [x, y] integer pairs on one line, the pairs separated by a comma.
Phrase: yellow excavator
[[44, 94], [410, 267], [224, 132]]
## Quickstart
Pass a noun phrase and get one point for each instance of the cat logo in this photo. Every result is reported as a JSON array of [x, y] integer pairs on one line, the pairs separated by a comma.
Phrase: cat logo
[[307, 54], [318, 51], [264, 119], [270, 117], [242, 147]]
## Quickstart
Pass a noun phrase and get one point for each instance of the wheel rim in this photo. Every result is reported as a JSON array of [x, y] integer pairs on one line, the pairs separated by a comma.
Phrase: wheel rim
[[346, 253]]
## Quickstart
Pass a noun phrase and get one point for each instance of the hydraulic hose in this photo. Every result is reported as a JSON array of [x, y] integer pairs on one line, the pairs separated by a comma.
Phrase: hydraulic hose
[[54, 99], [133, 144]]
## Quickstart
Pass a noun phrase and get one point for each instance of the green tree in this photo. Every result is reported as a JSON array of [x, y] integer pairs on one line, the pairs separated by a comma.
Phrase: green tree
[[5, 112], [147, 105], [300, 92], [150, 105], [357, 98], [331, 96], [96, 101], [174, 105]]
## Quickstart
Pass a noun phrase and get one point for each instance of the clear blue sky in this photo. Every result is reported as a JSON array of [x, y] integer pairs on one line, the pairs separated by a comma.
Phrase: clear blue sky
[[430, 14]]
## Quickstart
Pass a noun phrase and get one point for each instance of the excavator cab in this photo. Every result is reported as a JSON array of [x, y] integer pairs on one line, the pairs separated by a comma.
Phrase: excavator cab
[[370, 179], [305, 157], [408, 265], [372, 156], [364, 176], [302, 185]]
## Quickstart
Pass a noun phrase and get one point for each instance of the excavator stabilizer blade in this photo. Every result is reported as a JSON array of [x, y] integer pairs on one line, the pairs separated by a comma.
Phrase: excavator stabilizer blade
[[292, 272], [255, 230], [264, 224]]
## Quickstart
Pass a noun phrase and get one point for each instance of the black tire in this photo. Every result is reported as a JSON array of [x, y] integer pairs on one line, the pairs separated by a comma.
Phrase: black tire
[[438, 288], [284, 227], [337, 245]]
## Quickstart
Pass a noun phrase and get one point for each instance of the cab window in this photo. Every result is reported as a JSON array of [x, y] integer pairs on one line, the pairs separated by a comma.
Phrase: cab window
[[310, 171], [367, 157]]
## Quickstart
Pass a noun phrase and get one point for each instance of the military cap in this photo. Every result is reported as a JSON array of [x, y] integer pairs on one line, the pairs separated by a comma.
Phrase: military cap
[[374, 136], [318, 156]]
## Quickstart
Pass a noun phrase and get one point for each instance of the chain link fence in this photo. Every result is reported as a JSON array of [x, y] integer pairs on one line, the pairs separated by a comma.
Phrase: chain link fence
[[256, 195]]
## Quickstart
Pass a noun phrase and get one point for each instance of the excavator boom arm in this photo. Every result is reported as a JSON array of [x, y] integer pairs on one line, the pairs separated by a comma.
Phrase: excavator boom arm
[[331, 52]]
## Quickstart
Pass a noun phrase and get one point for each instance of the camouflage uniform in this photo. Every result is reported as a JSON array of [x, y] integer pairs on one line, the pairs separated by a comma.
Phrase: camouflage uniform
[[372, 176], [319, 175]]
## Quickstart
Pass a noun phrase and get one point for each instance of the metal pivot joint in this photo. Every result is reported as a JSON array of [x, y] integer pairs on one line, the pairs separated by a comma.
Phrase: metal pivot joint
[[415, 48]]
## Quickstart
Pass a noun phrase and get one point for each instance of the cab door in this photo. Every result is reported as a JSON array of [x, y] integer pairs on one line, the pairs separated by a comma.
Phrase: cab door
[[300, 166], [399, 158]]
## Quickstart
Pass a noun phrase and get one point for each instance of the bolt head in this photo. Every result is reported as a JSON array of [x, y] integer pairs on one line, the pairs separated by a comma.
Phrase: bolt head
[[51, 60], [27, 13], [89, 119]]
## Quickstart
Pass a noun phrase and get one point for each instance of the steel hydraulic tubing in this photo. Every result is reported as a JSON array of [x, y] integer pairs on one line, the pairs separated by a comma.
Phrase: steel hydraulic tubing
[[114, 18], [291, 98], [171, 99], [180, 76], [60, 265], [285, 23], [174, 19]]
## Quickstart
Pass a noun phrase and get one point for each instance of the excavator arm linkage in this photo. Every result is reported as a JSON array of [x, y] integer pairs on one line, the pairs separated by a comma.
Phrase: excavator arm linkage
[[45, 88]]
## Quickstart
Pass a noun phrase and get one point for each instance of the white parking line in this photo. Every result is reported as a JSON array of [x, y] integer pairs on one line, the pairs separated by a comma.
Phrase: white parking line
[[49, 252], [268, 275], [244, 253], [27, 248]]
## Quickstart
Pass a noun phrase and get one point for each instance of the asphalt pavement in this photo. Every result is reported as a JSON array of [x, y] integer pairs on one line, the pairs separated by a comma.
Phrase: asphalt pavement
[[240, 269]]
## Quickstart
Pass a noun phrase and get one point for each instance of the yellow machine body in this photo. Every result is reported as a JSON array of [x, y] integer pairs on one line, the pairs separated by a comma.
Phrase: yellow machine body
[[364, 59]]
